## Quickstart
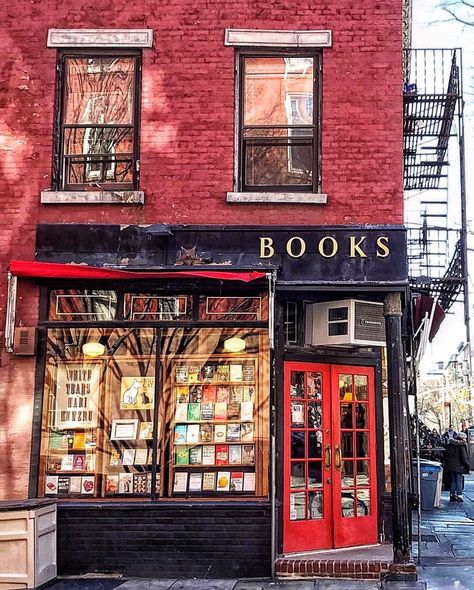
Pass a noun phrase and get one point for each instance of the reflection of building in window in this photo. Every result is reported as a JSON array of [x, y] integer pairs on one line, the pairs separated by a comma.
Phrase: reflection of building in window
[[299, 112]]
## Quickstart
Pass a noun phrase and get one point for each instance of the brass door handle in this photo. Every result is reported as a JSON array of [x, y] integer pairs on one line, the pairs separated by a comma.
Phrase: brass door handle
[[338, 458], [327, 456]]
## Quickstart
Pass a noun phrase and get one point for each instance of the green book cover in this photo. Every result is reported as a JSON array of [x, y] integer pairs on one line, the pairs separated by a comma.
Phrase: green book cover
[[182, 456], [194, 412], [55, 439]]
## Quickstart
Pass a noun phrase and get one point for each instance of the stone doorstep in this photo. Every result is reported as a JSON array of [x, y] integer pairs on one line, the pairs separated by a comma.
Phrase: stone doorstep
[[368, 569]]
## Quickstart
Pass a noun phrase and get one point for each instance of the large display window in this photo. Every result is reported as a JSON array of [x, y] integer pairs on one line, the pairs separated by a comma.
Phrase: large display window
[[155, 412]]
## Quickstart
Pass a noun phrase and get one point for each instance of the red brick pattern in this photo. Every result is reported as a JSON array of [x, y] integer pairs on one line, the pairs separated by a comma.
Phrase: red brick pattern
[[355, 569]]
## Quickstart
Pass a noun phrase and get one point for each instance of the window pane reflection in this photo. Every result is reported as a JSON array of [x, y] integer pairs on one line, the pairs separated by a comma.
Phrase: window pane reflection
[[347, 474], [362, 439], [361, 387], [315, 505], [361, 416], [314, 385], [314, 415], [347, 444], [363, 502], [298, 506], [345, 388], [297, 384], [297, 445], [346, 415], [314, 474], [297, 478], [315, 447]]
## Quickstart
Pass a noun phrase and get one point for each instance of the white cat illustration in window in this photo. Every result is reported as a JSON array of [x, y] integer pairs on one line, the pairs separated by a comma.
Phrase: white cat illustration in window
[[130, 394]]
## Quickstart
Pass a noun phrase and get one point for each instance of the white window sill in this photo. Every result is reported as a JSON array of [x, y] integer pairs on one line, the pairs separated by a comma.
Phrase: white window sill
[[93, 197], [282, 198]]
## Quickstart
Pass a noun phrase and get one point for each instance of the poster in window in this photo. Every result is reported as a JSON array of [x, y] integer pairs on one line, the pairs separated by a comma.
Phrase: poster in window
[[77, 393], [137, 393]]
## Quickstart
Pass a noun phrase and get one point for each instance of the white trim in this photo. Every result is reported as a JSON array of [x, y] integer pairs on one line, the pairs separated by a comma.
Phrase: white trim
[[274, 38], [100, 38], [122, 197], [283, 198]]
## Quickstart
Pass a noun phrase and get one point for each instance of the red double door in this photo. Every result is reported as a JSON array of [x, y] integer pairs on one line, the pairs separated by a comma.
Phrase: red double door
[[329, 457]]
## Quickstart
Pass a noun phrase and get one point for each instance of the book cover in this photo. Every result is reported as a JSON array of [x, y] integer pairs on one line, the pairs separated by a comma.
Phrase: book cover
[[195, 394], [233, 411], [90, 462], [180, 482], [195, 455], [246, 411], [208, 372], [206, 434], [51, 485], [220, 411], [75, 483], [223, 481], [181, 374], [297, 414], [222, 373], [246, 432], [128, 456], [192, 435], [194, 372], [220, 433], [235, 372], [180, 433], [249, 482], [140, 483], [141, 456], [207, 411], [88, 484], [209, 394], [145, 431], [236, 481], [91, 441], [236, 393], [114, 458], [223, 393], [194, 412], [248, 455], [208, 455], [66, 463], [54, 463], [248, 373], [233, 432], [182, 394], [125, 483], [63, 485], [79, 440], [55, 439], [182, 456], [248, 393], [195, 482], [235, 455], [222, 454], [209, 482], [149, 460], [79, 462], [181, 412]]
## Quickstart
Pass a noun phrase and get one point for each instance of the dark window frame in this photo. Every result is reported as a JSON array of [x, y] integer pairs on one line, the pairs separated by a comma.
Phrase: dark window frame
[[243, 54], [59, 180]]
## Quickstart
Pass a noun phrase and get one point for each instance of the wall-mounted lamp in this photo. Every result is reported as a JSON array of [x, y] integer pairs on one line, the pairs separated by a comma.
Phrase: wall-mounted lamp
[[93, 349], [234, 344]]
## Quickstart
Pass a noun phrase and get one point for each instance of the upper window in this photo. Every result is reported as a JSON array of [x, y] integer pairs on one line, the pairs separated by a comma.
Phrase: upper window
[[98, 134], [279, 132]]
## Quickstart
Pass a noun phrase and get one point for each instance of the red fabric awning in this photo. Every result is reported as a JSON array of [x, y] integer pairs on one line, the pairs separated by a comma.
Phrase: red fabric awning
[[54, 270]]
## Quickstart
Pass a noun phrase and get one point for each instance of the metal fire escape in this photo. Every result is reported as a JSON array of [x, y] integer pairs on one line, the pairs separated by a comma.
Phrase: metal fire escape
[[434, 176]]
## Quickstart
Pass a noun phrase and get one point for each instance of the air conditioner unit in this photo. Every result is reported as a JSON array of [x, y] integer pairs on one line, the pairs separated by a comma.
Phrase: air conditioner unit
[[349, 322]]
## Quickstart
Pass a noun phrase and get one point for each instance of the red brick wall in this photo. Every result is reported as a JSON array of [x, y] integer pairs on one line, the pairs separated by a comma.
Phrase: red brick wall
[[187, 132]]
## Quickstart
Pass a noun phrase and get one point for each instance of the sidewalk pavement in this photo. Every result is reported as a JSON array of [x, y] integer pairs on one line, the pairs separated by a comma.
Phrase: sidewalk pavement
[[446, 561]]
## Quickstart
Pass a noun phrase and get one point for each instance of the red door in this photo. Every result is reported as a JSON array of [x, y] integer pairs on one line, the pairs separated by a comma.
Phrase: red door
[[329, 457]]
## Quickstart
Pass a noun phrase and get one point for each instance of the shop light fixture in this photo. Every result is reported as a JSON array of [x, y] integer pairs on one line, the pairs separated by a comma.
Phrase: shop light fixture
[[234, 344], [93, 349]]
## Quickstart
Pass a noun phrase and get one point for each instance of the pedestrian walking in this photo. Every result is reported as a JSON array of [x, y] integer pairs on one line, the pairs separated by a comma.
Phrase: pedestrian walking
[[456, 463]]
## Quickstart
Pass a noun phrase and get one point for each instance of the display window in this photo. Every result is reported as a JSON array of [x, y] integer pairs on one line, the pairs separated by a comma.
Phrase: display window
[[155, 412]]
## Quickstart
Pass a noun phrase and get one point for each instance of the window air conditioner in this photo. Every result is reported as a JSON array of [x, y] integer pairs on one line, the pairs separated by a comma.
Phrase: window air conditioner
[[345, 323]]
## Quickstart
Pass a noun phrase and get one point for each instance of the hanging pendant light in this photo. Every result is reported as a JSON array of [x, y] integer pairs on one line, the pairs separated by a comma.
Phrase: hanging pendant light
[[93, 349], [234, 344]]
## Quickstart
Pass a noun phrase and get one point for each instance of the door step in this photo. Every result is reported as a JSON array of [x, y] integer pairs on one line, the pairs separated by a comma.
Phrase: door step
[[365, 569]]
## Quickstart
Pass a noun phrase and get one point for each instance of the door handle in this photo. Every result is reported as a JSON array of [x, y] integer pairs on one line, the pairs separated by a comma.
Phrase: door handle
[[327, 456], [338, 458]]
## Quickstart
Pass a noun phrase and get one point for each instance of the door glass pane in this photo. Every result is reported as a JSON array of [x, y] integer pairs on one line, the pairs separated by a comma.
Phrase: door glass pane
[[298, 506], [314, 415], [363, 473], [362, 416], [297, 478], [297, 414], [362, 439], [314, 385], [297, 445], [315, 445], [297, 384], [346, 415], [363, 502], [315, 478], [347, 474], [360, 387], [315, 505], [347, 504], [345, 388], [347, 444]]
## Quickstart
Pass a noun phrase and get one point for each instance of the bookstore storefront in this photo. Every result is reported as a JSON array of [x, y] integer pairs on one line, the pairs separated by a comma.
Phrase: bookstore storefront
[[184, 419]]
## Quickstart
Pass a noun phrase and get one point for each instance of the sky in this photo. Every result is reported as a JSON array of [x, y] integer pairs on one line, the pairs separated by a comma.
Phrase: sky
[[433, 29]]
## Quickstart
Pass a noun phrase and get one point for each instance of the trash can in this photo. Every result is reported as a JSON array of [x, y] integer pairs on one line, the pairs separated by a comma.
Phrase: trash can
[[431, 482], [27, 543]]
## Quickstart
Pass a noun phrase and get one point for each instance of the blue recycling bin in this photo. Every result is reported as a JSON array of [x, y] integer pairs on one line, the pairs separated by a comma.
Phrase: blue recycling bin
[[431, 474]]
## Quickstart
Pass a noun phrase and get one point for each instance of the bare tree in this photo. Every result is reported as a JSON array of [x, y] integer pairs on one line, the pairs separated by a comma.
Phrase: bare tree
[[460, 11]]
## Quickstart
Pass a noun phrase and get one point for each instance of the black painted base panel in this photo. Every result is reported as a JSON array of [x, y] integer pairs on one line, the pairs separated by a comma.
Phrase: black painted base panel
[[167, 540]]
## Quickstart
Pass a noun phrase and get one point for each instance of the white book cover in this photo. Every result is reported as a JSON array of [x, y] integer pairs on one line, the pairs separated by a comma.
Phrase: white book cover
[[249, 482], [246, 411], [75, 484], [141, 456], [180, 483], [125, 483], [128, 456], [87, 484], [66, 462], [181, 414], [208, 455], [51, 485], [236, 372], [235, 454], [195, 482], [192, 435], [220, 433]]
